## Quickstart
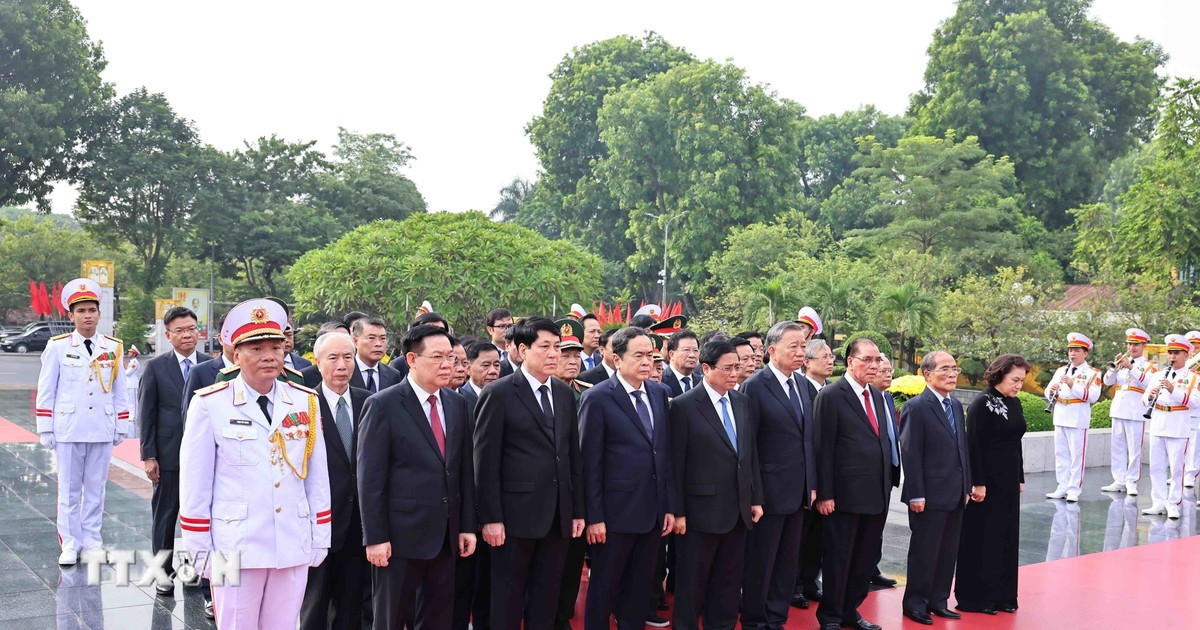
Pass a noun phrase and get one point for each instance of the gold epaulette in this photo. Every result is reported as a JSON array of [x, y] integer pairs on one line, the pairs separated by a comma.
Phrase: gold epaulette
[[583, 384], [294, 371], [301, 387], [62, 336], [227, 370], [119, 342], [215, 387]]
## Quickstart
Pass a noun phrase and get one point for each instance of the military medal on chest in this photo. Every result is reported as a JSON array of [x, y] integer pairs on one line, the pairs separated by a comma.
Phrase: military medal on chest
[[295, 426], [106, 364]]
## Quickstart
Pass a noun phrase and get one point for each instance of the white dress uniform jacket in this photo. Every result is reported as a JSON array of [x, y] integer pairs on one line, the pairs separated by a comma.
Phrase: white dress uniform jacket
[[1131, 384], [71, 401], [233, 496], [1171, 415], [1074, 408]]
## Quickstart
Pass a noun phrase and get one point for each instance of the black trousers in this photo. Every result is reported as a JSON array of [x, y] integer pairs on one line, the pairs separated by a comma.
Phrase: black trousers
[[568, 591], [472, 589], [932, 552], [405, 584], [526, 576], [851, 547], [622, 569], [810, 554], [334, 595], [772, 561], [164, 511], [710, 578]]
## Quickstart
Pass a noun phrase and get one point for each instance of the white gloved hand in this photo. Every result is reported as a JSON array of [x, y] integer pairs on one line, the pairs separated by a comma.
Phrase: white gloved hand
[[47, 439], [318, 557], [120, 438]]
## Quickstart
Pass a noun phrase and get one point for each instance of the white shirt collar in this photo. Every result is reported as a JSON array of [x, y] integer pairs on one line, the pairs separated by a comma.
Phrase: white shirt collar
[[814, 382], [533, 383], [610, 371], [225, 360], [179, 357], [422, 395], [332, 397], [941, 398], [679, 376], [715, 397], [362, 367], [783, 380], [858, 389], [629, 389]]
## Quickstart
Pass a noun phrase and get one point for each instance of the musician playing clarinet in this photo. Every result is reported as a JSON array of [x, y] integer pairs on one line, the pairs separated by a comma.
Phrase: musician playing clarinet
[[1174, 398], [1072, 392]]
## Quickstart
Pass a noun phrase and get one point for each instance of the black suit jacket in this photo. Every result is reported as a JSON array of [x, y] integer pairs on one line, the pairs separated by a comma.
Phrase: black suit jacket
[[526, 474], [200, 377], [160, 408], [312, 377], [506, 367], [786, 446], [400, 364], [385, 375], [673, 384], [299, 362], [936, 463], [343, 473], [409, 494], [595, 376], [854, 465], [627, 476], [714, 485]]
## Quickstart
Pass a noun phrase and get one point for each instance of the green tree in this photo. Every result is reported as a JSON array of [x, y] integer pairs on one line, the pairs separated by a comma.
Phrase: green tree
[[909, 312], [985, 316], [38, 248], [830, 145], [366, 180], [513, 198], [568, 199], [148, 176], [50, 97], [839, 288], [770, 298], [1045, 84], [383, 266], [698, 138], [764, 250]]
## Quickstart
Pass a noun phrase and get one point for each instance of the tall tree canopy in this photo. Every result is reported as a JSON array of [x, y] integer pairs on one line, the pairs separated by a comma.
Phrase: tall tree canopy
[[366, 180], [1043, 83]]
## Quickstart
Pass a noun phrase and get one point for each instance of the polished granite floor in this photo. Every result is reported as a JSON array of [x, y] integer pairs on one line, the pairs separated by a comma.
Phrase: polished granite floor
[[36, 593]]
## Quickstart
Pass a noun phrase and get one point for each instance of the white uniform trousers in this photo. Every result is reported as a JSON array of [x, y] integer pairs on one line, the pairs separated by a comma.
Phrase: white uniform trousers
[[1070, 446], [1121, 528], [1166, 453], [1189, 460], [266, 599], [1128, 439], [1064, 532], [82, 470]]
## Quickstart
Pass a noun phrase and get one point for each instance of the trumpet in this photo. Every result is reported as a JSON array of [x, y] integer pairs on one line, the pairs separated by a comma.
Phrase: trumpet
[[1054, 400], [1112, 365]]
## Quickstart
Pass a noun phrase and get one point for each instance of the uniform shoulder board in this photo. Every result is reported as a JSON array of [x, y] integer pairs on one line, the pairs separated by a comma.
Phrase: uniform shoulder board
[[583, 384], [215, 387], [227, 370], [293, 371], [62, 336], [114, 339], [301, 387]]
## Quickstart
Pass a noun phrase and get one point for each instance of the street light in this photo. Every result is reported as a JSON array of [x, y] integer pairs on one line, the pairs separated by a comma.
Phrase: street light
[[666, 243]]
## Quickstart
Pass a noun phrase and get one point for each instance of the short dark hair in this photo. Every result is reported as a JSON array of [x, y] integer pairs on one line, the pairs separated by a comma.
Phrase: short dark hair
[[429, 318], [363, 322], [349, 318], [464, 340], [479, 347], [738, 342], [750, 334], [175, 312], [333, 327], [673, 340], [606, 335], [712, 335], [641, 321], [1000, 368], [414, 339], [497, 314], [621, 338], [588, 316], [527, 331], [854, 344], [712, 352]]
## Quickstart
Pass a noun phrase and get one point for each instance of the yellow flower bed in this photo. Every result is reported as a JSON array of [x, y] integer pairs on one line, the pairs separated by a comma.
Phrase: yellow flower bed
[[910, 385]]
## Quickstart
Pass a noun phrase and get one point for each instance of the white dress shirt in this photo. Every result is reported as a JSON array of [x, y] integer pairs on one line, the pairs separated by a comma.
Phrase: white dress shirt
[[629, 389], [179, 359], [536, 386], [332, 398], [716, 402], [423, 398]]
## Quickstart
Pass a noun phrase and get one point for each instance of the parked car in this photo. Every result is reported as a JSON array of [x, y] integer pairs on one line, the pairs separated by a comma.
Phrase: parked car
[[35, 336]]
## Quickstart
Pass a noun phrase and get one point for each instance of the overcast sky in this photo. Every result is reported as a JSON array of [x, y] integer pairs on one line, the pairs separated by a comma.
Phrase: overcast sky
[[459, 81]]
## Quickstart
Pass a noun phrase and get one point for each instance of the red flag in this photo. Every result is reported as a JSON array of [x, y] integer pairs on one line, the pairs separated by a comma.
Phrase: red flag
[[33, 298], [47, 310], [56, 299]]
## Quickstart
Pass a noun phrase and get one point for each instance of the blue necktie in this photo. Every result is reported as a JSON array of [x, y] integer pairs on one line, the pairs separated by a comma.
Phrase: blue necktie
[[799, 408], [950, 415], [728, 423], [687, 383], [643, 412], [589, 362], [187, 369], [890, 412]]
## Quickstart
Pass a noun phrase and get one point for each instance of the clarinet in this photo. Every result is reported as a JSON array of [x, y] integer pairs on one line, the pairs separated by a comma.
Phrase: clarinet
[[1054, 401], [1150, 410]]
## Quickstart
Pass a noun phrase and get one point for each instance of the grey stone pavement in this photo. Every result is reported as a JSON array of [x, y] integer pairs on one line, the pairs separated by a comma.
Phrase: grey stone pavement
[[36, 593]]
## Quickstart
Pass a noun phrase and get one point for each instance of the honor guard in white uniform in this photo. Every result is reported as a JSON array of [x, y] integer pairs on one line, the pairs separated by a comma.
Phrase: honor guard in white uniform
[[254, 478], [1131, 373], [1072, 392], [1191, 461], [1174, 397], [82, 411]]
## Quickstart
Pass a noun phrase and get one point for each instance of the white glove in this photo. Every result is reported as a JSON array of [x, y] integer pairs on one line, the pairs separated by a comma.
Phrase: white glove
[[47, 439], [120, 437], [318, 557]]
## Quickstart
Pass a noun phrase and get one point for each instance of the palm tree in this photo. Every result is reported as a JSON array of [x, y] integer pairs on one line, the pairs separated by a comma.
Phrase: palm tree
[[908, 311], [832, 297], [512, 198], [769, 295]]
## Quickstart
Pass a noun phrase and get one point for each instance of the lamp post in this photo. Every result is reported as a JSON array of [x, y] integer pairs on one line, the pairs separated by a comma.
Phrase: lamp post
[[666, 221]]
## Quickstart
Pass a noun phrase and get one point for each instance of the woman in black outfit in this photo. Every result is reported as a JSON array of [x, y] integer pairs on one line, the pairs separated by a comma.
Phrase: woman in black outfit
[[986, 578]]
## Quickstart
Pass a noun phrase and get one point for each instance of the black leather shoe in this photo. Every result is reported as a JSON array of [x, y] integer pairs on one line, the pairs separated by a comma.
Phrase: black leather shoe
[[986, 611], [919, 617], [861, 624], [831, 626], [800, 601], [945, 613], [1008, 608], [814, 596], [882, 580]]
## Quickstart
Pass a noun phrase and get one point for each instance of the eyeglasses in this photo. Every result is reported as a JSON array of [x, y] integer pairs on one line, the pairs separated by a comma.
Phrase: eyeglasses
[[439, 358], [887, 371], [502, 326], [875, 360], [376, 338], [948, 371], [191, 330], [732, 368]]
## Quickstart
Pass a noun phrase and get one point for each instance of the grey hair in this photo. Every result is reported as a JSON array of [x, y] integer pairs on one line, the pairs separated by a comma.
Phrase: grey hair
[[929, 361], [324, 340], [775, 334], [814, 348]]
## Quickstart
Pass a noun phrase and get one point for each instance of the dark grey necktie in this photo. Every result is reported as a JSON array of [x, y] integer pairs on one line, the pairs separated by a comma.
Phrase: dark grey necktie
[[950, 415], [643, 412], [341, 418], [371, 380], [547, 410], [795, 398]]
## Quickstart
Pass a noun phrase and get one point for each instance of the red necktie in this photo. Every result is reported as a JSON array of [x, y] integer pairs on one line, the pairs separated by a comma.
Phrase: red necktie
[[435, 421], [870, 411]]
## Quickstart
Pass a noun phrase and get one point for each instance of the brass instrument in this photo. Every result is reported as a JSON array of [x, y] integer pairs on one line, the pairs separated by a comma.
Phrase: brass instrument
[[1112, 365], [1054, 400]]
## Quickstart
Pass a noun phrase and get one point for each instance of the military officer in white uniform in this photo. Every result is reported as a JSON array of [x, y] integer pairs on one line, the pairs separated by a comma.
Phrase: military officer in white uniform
[[1174, 398], [1073, 390], [1131, 375], [82, 411], [1191, 461], [254, 477]]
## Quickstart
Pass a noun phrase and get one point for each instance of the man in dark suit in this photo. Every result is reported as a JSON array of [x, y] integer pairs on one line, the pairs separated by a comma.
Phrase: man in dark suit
[[497, 323], [416, 487], [528, 477], [334, 595], [510, 356], [473, 574], [883, 380], [718, 490], [784, 411], [818, 366], [291, 358], [627, 480], [371, 338], [206, 372], [607, 367], [855, 477], [683, 354], [933, 438], [160, 397], [484, 357], [590, 355]]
